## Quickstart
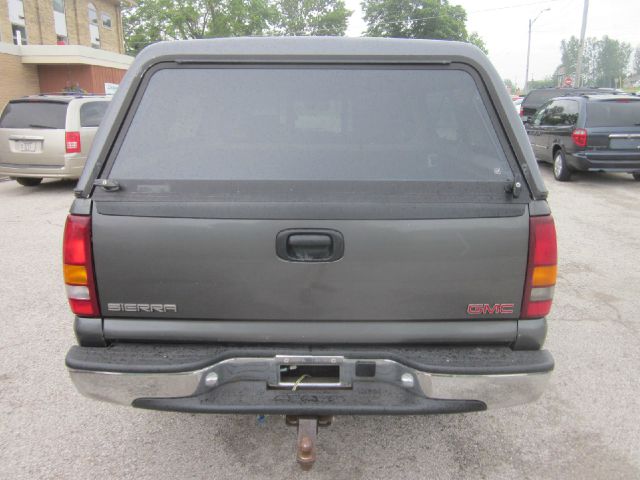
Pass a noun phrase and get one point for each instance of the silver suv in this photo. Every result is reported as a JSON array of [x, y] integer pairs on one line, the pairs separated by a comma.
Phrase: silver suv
[[48, 136]]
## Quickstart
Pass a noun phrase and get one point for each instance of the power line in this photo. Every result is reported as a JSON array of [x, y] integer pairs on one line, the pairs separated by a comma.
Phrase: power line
[[515, 6]]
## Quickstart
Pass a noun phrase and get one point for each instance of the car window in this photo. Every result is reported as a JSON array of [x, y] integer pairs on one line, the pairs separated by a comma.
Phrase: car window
[[560, 113], [537, 118], [34, 114], [91, 113], [572, 109], [311, 124], [552, 114], [613, 113]]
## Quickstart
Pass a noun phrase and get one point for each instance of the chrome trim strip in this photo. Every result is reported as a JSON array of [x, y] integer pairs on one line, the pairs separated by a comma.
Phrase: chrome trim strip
[[624, 135], [503, 390], [30, 165], [30, 138], [619, 170]]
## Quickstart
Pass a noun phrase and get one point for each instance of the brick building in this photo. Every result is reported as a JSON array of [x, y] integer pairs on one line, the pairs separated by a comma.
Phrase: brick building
[[53, 45]]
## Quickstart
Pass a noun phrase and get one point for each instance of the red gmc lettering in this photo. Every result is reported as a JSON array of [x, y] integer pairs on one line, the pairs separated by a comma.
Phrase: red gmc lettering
[[486, 309]]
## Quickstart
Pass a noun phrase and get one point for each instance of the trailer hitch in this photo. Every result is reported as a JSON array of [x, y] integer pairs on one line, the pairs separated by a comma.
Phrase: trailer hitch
[[307, 433]]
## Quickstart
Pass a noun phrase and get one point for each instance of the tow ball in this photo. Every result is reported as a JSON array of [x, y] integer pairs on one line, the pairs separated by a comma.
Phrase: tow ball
[[307, 434]]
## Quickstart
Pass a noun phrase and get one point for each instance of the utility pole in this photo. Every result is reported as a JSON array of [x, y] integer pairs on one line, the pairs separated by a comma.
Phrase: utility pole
[[585, 11], [526, 75], [531, 22]]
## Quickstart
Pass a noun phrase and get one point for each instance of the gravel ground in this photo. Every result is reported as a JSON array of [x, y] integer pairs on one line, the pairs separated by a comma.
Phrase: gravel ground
[[585, 426]]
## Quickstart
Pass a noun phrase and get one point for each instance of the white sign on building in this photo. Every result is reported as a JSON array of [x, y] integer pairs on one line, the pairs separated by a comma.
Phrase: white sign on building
[[110, 88]]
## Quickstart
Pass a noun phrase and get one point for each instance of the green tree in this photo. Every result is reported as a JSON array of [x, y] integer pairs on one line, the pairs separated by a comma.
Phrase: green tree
[[604, 61], [476, 39], [311, 17], [569, 55], [545, 82], [613, 62], [511, 87], [149, 21], [418, 19], [636, 61]]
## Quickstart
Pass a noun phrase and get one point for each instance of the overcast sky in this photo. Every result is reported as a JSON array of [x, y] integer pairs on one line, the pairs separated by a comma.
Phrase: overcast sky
[[503, 25]]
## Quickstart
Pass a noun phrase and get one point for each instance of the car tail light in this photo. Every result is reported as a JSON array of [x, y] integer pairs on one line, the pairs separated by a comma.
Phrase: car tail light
[[542, 268], [78, 266], [72, 142], [579, 137], [522, 111]]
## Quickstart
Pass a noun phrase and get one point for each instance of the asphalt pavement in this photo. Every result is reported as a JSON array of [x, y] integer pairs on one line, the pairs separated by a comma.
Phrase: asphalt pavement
[[586, 425]]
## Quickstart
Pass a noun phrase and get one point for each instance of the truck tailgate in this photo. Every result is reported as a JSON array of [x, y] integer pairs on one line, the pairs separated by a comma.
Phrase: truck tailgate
[[229, 269]]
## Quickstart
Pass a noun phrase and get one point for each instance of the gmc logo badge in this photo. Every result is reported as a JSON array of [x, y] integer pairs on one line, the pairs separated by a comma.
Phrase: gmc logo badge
[[486, 309]]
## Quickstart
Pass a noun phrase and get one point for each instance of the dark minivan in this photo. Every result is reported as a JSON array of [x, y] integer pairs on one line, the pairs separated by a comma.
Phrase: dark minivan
[[589, 133], [538, 97]]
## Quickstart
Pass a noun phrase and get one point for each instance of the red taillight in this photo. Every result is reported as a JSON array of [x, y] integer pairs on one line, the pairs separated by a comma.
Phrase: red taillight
[[579, 137], [78, 266], [522, 111], [72, 142], [541, 268]]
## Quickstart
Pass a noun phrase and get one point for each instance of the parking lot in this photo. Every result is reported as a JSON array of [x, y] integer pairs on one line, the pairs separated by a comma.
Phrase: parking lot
[[585, 426]]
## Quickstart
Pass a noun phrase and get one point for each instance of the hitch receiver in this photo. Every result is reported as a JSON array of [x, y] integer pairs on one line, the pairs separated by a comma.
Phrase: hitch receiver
[[307, 433]]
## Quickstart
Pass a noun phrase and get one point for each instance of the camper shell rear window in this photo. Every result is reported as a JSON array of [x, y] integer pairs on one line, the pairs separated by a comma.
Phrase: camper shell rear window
[[311, 123]]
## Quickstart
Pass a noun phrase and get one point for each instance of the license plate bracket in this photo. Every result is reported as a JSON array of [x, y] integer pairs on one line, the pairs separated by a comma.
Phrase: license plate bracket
[[28, 146], [624, 144], [303, 372]]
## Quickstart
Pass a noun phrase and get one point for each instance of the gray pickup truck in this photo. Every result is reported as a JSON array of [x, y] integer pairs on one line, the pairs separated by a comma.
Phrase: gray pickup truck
[[311, 227]]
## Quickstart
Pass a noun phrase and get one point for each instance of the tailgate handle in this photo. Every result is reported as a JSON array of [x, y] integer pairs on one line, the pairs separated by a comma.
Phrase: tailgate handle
[[306, 245]]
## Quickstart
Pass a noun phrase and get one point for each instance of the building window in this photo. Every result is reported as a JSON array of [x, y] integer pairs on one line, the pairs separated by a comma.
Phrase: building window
[[16, 12], [19, 35], [60, 22], [94, 30], [106, 20], [16, 17]]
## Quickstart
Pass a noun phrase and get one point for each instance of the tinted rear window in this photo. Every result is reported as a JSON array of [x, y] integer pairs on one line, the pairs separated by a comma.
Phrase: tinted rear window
[[613, 113], [32, 114], [311, 124], [536, 98]]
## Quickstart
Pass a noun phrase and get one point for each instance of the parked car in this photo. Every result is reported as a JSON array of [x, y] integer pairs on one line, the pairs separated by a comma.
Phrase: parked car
[[589, 133], [278, 239], [539, 96], [48, 136]]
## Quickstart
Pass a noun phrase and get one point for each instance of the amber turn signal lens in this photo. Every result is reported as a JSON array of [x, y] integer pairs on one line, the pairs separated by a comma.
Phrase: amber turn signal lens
[[75, 274], [544, 276]]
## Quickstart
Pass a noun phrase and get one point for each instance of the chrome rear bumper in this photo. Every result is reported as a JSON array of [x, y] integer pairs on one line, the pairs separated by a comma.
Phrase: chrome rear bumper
[[493, 390], [71, 169]]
